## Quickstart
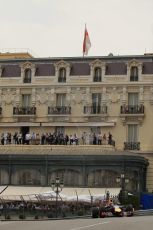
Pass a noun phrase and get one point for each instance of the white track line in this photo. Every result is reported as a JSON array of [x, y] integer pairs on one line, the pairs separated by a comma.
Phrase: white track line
[[89, 226]]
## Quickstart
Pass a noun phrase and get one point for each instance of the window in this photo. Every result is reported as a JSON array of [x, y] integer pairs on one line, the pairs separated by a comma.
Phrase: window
[[26, 100], [61, 99], [97, 75], [134, 73], [133, 99], [132, 142], [96, 99], [60, 130], [96, 102], [27, 76], [133, 133], [95, 130], [62, 75]]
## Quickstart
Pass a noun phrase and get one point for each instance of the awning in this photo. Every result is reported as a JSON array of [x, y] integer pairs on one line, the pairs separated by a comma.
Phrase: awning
[[80, 124], [45, 193], [55, 124], [19, 124], [2, 188]]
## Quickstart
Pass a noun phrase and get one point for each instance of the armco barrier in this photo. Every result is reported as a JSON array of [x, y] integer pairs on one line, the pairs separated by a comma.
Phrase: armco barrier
[[147, 212]]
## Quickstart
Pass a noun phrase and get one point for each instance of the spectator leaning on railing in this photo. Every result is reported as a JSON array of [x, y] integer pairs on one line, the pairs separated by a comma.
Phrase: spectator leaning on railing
[[56, 139]]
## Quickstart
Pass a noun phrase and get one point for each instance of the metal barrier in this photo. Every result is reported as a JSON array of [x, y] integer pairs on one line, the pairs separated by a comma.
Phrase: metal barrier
[[147, 212]]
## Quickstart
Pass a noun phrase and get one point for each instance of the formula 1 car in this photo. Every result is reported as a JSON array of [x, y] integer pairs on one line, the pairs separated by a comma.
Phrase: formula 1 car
[[112, 210]]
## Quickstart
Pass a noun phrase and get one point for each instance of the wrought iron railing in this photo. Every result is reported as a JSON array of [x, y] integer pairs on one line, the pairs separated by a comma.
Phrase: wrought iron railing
[[62, 79], [59, 110], [29, 110], [132, 109], [95, 109], [27, 80], [134, 78], [131, 145], [97, 79]]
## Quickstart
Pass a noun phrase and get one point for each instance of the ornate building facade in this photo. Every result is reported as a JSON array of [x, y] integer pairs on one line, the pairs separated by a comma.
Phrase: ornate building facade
[[81, 95]]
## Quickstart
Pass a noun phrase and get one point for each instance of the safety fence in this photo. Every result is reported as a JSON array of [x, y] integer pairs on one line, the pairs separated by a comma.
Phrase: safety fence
[[147, 212]]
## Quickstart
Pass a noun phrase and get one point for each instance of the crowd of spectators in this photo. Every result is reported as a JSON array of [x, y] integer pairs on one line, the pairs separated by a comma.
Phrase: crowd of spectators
[[43, 208], [57, 139]]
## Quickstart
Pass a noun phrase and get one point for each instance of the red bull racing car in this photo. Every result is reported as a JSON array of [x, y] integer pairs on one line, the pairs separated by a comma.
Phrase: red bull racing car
[[112, 210]]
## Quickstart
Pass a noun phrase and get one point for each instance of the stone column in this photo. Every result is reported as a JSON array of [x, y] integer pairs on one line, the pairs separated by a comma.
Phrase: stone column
[[0, 71], [103, 73], [17, 98], [33, 70], [68, 96], [128, 73], [91, 73], [140, 72], [104, 96], [88, 97], [33, 98], [141, 99], [53, 98], [124, 96]]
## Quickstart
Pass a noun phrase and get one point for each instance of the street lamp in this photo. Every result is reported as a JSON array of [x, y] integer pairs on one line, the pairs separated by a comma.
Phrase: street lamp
[[57, 187], [107, 196], [123, 181]]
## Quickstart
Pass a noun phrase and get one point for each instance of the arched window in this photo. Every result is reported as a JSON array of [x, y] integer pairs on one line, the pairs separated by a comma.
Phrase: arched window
[[69, 177], [27, 76], [97, 74], [62, 75], [134, 73]]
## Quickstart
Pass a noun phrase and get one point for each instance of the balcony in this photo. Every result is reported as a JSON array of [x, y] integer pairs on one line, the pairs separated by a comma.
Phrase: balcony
[[97, 79], [132, 109], [59, 110], [95, 110], [134, 78], [29, 110], [131, 145], [27, 80], [132, 113]]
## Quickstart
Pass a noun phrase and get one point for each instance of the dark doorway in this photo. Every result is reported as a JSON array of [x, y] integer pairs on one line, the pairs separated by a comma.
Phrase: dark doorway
[[24, 131]]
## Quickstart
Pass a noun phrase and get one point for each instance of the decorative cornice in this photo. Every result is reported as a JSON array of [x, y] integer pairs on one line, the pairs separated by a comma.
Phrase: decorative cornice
[[27, 65], [97, 63], [62, 64], [134, 62]]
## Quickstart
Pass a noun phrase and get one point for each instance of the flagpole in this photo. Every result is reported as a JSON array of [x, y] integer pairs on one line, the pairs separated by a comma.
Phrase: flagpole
[[86, 42], [84, 37]]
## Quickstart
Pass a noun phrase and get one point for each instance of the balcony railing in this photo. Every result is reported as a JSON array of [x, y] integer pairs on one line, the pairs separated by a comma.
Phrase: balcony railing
[[97, 79], [95, 109], [27, 80], [62, 79], [132, 109], [0, 110], [30, 110], [133, 78], [59, 110], [131, 145]]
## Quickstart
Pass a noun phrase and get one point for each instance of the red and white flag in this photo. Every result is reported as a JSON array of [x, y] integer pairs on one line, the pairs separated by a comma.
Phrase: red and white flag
[[86, 42]]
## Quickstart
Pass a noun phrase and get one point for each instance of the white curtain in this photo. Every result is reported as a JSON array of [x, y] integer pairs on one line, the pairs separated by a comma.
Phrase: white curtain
[[61, 99], [132, 133], [26, 100], [133, 99], [96, 99]]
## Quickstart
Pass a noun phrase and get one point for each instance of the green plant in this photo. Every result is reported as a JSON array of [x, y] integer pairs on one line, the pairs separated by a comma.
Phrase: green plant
[[36, 217], [22, 216], [50, 215], [63, 214], [80, 212], [8, 217]]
